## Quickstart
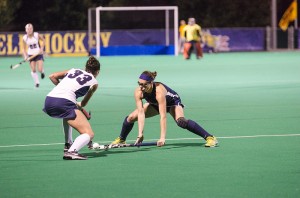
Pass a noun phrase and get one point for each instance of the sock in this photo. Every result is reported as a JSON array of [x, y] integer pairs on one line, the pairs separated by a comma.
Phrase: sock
[[126, 128], [80, 142], [68, 132], [197, 129], [35, 77]]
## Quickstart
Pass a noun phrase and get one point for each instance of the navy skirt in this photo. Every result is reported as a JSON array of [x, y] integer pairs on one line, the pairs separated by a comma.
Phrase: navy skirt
[[60, 108]]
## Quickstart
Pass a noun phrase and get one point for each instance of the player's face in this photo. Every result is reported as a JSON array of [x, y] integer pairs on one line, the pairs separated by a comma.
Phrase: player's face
[[96, 73], [29, 30], [144, 85]]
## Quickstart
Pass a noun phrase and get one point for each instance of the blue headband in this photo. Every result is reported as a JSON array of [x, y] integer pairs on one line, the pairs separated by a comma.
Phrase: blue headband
[[146, 77]]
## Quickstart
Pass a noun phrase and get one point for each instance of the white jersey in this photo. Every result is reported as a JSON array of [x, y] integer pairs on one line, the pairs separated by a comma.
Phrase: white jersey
[[75, 84], [32, 43]]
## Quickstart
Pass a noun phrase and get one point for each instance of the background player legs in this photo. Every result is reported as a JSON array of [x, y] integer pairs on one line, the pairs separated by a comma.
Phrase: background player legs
[[186, 50], [40, 64], [198, 50], [34, 74]]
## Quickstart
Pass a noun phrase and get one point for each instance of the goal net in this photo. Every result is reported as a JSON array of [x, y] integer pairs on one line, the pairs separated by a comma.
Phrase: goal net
[[133, 30]]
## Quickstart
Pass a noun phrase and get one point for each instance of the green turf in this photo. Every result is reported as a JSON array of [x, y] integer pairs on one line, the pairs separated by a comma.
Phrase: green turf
[[250, 101]]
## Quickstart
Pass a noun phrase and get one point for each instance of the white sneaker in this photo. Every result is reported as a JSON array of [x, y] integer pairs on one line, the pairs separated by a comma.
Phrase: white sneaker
[[74, 155]]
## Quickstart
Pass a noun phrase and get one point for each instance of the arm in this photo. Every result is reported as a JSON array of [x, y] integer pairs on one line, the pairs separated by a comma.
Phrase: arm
[[199, 33], [88, 95], [42, 44], [24, 50], [141, 112], [55, 77], [162, 105]]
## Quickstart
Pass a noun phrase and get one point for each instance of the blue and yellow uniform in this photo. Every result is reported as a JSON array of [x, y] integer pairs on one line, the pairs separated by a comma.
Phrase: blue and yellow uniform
[[192, 33]]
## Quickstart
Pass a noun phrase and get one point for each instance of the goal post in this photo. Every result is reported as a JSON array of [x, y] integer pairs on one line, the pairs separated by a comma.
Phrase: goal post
[[166, 9]]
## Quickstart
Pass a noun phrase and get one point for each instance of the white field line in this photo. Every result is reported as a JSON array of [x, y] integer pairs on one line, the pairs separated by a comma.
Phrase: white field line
[[176, 139]]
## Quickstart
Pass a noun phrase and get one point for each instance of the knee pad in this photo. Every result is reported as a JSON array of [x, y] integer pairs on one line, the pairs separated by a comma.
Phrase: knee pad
[[182, 122]]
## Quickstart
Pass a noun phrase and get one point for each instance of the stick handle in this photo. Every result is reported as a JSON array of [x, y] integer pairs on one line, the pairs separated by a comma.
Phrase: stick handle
[[32, 57], [146, 144], [23, 61]]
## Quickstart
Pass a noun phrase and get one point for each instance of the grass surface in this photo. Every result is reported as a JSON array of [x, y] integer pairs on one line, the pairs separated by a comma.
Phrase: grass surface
[[250, 101]]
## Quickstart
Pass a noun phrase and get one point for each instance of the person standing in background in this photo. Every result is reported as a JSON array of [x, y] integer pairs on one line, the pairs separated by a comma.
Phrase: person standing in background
[[181, 36], [192, 33], [31, 40]]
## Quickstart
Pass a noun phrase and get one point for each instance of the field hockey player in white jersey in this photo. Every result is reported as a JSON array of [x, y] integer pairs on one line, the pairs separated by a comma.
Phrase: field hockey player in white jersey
[[34, 48], [62, 103]]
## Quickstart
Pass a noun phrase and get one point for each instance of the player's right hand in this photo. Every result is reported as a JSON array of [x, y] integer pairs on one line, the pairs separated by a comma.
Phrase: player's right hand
[[78, 104], [161, 142]]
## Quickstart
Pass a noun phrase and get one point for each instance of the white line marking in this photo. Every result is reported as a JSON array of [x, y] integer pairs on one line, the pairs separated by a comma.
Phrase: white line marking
[[176, 139]]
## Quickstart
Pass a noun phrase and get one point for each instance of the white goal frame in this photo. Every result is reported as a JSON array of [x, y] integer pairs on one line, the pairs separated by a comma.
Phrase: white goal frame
[[153, 8]]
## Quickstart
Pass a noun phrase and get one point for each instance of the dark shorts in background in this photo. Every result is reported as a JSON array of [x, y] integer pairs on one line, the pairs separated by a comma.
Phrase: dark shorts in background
[[37, 58], [60, 108]]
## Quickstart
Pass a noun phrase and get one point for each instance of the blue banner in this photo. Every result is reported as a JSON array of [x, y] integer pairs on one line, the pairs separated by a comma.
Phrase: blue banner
[[11, 43], [234, 39], [126, 42]]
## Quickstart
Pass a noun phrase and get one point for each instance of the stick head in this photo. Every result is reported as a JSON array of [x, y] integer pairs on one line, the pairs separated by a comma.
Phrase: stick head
[[86, 114], [15, 66]]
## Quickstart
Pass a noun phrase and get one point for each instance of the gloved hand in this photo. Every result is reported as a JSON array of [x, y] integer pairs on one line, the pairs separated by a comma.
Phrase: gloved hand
[[139, 140], [78, 104]]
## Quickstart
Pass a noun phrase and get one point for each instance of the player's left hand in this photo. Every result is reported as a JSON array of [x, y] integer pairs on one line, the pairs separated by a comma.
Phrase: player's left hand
[[161, 142], [139, 140]]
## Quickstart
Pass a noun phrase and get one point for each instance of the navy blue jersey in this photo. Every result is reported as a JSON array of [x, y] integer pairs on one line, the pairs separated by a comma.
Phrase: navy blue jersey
[[172, 97]]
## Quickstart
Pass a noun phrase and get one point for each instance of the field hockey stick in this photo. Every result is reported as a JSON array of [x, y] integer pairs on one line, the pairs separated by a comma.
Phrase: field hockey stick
[[86, 114], [20, 63], [111, 146]]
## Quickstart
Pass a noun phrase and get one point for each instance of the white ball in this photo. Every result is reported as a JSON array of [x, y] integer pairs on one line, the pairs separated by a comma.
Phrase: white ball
[[101, 147], [96, 145]]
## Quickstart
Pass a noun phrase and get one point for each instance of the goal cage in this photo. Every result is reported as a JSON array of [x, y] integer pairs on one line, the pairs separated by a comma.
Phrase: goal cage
[[149, 30]]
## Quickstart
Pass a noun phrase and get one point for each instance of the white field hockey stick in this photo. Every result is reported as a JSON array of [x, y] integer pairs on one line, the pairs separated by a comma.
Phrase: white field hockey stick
[[20, 63], [96, 146]]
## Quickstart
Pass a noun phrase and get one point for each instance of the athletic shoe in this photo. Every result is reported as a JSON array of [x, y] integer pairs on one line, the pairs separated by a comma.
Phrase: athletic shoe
[[37, 85], [74, 155], [42, 75], [211, 141], [118, 141], [67, 146]]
